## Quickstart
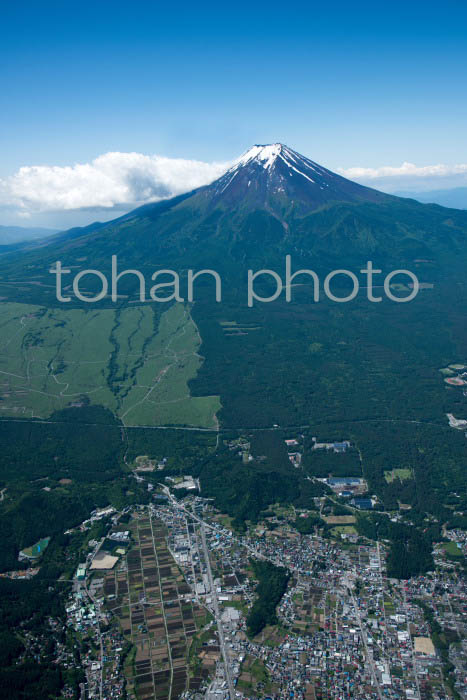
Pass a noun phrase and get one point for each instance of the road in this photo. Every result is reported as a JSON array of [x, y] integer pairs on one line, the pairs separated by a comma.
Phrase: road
[[370, 660], [191, 560], [215, 603], [381, 581], [414, 664], [242, 543], [98, 615], [253, 429]]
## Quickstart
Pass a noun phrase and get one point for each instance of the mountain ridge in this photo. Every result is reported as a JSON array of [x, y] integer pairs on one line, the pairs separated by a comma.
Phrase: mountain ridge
[[364, 372], [10, 235], [270, 203], [265, 171]]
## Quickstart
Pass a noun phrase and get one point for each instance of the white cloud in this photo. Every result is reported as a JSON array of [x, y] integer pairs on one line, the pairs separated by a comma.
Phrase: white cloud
[[404, 170], [111, 180], [117, 182]]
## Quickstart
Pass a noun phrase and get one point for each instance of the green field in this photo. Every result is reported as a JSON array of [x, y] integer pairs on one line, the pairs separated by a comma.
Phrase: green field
[[36, 550], [401, 474], [121, 359], [452, 549], [343, 530]]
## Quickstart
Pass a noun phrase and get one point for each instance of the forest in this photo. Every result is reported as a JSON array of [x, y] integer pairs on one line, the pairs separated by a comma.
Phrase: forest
[[410, 548], [54, 474], [272, 584]]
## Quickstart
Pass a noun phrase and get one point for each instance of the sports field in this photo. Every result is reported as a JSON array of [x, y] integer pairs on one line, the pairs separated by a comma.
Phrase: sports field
[[36, 550], [122, 359]]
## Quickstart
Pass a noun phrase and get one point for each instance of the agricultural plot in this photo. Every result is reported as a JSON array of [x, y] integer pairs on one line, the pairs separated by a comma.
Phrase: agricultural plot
[[341, 519], [254, 678], [153, 603], [119, 358], [309, 610]]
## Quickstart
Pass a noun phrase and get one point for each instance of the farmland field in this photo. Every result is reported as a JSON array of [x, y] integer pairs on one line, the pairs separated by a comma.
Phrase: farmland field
[[119, 358], [156, 614]]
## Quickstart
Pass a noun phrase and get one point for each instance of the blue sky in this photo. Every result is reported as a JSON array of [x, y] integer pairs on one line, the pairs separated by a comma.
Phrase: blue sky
[[351, 85]]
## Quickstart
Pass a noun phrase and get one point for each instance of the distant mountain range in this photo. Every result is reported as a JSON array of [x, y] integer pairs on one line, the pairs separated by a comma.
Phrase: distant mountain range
[[455, 197], [17, 234]]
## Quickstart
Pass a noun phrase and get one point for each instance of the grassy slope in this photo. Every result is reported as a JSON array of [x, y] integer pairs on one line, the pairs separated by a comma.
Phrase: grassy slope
[[117, 358]]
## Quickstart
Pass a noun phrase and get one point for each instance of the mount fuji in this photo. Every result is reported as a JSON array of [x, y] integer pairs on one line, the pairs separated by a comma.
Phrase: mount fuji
[[271, 202], [339, 369], [266, 173]]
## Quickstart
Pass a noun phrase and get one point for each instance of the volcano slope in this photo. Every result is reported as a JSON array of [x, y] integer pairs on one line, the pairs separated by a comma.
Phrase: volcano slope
[[362, 370]]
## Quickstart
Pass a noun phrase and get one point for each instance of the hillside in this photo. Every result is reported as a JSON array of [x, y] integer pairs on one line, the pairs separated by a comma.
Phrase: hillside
[[359, 370]]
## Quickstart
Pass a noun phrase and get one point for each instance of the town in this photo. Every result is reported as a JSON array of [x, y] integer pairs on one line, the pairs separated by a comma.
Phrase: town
[[163, 597]]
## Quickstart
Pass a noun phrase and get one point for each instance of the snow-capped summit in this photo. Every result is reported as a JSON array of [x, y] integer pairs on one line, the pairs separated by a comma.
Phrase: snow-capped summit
[[268, 172], [268, 154]]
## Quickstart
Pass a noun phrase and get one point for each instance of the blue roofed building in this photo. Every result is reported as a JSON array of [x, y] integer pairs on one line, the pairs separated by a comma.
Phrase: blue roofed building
[[362, 503]]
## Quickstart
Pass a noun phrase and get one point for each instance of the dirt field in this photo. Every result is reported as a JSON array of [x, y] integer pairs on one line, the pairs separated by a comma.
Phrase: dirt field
[[340, 519]]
